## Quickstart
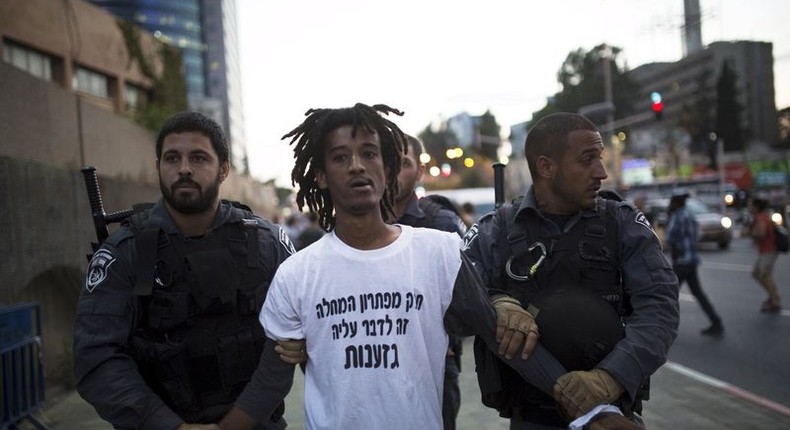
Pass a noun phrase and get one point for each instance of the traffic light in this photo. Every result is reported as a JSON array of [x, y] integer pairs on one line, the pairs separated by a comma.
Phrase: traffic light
[[658, 105]]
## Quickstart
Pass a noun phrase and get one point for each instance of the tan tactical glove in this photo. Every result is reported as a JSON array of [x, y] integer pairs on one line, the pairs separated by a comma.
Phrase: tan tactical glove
[[514, 326], [580, 391]]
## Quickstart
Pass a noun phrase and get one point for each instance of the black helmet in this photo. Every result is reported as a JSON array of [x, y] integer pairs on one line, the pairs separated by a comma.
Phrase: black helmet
[[578, 326]]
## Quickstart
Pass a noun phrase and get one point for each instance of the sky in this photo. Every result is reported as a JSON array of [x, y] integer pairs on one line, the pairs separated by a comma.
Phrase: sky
[[433, 59]]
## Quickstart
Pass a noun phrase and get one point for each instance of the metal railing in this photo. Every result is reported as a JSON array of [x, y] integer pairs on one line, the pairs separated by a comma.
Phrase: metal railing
[[21, 365]]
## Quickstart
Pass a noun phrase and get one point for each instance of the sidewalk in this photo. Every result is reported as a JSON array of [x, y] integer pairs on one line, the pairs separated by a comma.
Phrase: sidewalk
[[679, 401]]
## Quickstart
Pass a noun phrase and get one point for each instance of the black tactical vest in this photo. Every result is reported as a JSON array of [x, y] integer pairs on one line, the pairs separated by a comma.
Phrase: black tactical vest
[[578, 265], [585, 256], [198, 338]]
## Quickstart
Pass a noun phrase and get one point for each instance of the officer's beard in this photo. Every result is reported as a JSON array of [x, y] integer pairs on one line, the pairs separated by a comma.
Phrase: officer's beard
[[187, 203]]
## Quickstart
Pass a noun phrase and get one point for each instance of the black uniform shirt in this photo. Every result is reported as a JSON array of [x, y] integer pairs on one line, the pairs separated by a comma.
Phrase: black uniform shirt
[[106, 375], [443, 219]]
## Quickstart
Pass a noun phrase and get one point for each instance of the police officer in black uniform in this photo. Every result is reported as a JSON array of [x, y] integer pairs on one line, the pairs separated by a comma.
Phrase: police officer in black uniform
[[167, 329], [428, 213], [556, 246]]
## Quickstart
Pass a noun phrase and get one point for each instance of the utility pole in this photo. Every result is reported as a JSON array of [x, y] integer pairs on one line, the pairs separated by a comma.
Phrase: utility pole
[[609, 128]]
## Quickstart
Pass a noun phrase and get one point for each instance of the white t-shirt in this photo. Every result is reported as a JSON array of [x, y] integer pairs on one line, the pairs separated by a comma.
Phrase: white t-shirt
[[373, 324]]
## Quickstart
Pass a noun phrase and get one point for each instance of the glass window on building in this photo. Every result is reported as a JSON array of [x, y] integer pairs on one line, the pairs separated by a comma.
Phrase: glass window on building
[[90, 82], [195, 85], [33, 62], [135, 97]]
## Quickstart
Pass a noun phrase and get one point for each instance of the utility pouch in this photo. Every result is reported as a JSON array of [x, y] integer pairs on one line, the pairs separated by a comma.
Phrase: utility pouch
[[214, 275], [503, 389], [250, 301], [168, 309], [166, 368], [237, 356], [489, 377]]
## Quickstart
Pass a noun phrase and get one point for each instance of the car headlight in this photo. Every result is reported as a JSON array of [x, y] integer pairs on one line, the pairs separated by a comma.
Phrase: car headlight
[[776, 217], [726, 222]]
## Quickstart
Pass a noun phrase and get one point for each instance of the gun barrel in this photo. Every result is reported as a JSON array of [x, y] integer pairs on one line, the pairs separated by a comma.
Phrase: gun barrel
[[499, 184]]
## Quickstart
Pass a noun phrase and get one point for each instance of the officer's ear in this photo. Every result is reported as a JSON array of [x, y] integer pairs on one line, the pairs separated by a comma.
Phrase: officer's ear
[[224, 170], [546, 167]]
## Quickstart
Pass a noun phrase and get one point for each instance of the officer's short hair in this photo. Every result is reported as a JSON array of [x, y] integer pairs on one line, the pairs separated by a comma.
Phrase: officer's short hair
[[196, 122], [415, 147], [548, 136]]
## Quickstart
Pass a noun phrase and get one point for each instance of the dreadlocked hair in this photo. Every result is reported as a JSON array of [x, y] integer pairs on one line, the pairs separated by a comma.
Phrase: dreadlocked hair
[[309, 138]]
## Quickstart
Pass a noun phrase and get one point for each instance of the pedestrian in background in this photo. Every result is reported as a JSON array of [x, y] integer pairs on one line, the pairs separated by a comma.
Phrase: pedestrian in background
[[428, 213], [762, 234], [166, 332], [681, 236]]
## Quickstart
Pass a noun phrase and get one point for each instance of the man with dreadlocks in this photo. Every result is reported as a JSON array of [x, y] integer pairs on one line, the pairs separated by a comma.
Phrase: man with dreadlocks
[[373, 301]]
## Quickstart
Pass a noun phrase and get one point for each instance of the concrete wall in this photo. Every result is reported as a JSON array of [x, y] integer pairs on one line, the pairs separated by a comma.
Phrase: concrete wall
[[47, 135]]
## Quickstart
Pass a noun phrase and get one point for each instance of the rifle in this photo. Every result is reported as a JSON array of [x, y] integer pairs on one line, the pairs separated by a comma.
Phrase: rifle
[[499, 184], [100, 218]]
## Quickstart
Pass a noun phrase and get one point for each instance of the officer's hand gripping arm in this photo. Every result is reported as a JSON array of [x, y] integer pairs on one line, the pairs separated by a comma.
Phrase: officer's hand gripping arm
[[292, 351]]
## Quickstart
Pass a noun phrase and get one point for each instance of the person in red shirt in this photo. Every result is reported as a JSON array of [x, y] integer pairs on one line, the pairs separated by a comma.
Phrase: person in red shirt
[[762, 234]]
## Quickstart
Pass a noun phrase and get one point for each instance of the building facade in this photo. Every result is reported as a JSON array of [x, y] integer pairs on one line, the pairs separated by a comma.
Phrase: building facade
[[206, 32], [694, 79], [80, 48]]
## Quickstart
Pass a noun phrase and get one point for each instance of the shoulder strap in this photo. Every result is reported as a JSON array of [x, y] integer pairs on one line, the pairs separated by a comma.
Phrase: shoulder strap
[[505, 219], [243, 232], [147, 242]]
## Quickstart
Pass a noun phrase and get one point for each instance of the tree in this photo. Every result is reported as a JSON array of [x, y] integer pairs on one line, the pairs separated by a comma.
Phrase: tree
[[168, 94], [728, 110], [488, 130], [582, 80], [697, 117], [436, 142]]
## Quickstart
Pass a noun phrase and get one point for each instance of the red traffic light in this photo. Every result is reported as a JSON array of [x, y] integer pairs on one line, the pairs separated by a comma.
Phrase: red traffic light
[[658, 104]]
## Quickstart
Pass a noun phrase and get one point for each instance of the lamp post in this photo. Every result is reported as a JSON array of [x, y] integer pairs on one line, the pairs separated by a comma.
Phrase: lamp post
[[607, 107]]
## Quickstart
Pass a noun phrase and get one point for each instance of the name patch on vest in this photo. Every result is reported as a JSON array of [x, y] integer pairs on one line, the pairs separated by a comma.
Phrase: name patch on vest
[[97, 271], [469, 237], [285, 241], [641, 219]]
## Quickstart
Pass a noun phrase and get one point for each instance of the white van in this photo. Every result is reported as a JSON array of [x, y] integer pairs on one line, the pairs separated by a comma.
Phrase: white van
[[482, 199]]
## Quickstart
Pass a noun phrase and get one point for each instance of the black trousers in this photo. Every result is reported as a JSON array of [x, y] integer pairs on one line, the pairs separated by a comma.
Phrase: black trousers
[[688, 273], [451, 402]]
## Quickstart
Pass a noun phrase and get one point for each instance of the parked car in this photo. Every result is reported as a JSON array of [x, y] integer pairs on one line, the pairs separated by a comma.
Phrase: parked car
[[714, 226]]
